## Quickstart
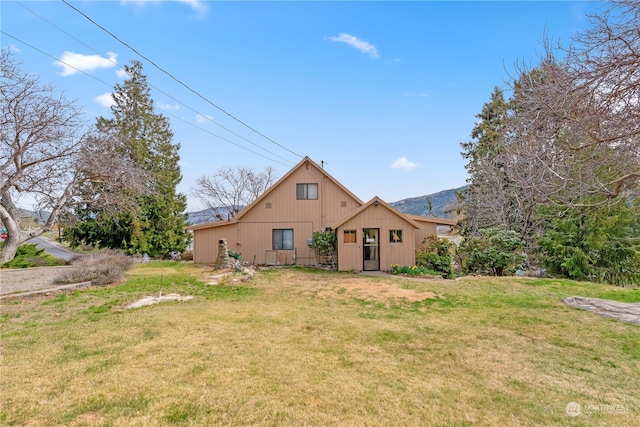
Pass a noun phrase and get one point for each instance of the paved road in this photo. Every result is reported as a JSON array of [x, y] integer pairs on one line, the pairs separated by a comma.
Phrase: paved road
[[53, 248]]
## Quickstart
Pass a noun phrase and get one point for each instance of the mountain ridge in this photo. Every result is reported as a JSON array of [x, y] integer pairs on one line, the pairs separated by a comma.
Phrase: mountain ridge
[[441, 203]]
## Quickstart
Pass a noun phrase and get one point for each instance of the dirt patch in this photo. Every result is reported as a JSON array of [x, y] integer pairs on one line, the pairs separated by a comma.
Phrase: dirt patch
[[361, 287]]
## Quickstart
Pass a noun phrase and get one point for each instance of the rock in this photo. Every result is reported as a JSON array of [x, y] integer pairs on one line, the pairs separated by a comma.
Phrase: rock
[[224, 260], [155, 300], [622, 311]]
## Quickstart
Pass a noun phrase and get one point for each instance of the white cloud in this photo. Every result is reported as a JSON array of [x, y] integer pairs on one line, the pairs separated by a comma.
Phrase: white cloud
[[121, 73], [197, 5], [403, 163], [13, 48], [200, 118], [73, 63], [168, 107], [361, 45], [106, 100]]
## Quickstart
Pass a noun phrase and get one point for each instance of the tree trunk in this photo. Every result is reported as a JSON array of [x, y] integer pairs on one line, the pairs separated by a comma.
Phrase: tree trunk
[[10, 248], [10, 216]]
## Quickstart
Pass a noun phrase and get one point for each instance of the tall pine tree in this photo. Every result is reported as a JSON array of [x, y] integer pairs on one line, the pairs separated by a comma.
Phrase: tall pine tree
[[157, 226], [484, 201]]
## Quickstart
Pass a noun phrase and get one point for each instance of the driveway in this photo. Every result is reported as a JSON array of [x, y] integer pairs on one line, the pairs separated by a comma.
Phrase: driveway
[[53, 248]]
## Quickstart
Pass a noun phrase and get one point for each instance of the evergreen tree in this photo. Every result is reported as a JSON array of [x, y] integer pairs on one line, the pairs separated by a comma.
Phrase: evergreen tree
[[157, 226], [600, 242], [482, 201]]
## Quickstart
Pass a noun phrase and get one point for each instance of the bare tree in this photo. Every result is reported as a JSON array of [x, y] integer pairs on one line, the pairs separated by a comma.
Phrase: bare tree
[[584, 114], [47, 154], [226, 192]]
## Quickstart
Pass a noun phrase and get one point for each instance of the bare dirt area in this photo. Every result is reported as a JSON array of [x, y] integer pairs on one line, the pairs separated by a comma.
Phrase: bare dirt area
[[383, 289], [28, 279]]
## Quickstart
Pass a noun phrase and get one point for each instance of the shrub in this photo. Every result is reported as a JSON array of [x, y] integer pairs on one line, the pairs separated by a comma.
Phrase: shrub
[[413, 270], [600, 243], [494, 251], [29, 255], [101, 268], [324, 242], [435, 254]]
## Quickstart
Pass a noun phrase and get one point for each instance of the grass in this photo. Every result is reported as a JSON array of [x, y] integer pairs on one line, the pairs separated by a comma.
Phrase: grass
[[29, 255], [305, 347]]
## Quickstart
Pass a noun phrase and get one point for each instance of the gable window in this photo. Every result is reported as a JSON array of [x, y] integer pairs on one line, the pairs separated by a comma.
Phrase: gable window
[[282, 238], [307, 191], [350, 236], [395, 236]]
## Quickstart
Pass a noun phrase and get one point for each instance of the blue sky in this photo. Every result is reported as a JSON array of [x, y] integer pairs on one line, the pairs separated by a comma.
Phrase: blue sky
[[382, 92]]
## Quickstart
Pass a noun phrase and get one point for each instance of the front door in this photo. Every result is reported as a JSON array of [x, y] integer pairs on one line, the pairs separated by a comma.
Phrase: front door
[[371, 253]]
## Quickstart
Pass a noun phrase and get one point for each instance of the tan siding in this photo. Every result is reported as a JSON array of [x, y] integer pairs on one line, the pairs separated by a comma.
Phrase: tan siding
[[251, 240], [251, 236], [350, 257], [256, 239], [205, 242], [285, 207], [426, 229]]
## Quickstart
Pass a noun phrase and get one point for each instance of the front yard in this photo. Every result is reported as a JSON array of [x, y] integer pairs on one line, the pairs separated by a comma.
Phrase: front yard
[[304, 347]]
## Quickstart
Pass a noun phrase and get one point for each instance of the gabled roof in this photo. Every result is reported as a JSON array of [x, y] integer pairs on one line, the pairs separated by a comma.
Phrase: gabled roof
[[287, 175], [211, 224], [439, 221], [273, 187], [371, 202]]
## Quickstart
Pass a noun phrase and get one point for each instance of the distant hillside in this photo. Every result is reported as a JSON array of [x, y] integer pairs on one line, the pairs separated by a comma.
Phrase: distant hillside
[[205, 215], [441, 202]]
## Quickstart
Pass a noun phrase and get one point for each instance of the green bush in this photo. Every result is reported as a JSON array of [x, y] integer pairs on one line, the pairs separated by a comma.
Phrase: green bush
[[494, 251], [29, 255], [414, 270], [601, 244], [324, 242], [435, 254]]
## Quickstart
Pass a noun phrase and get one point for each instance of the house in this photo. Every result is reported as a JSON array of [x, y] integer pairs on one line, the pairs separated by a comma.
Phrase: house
[[277, 228]]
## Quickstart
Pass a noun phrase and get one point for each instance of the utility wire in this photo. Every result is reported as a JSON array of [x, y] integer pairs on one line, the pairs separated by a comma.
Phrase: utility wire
[[107, 84], [158, 89], [227, 140], [178, 80]]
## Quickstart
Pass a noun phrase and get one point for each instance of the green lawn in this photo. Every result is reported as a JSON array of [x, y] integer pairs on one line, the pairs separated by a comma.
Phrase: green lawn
[[303, 347]]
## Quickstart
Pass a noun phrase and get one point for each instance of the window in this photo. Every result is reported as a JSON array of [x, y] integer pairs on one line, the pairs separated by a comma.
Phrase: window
[[307, 191], [350, 236], [282, 238], [395, 236]]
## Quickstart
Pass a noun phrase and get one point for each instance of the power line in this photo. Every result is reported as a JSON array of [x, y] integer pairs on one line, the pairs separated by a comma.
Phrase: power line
[[172, 115], [178, 80], [156, 88], [53, 57], [227, 140]]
